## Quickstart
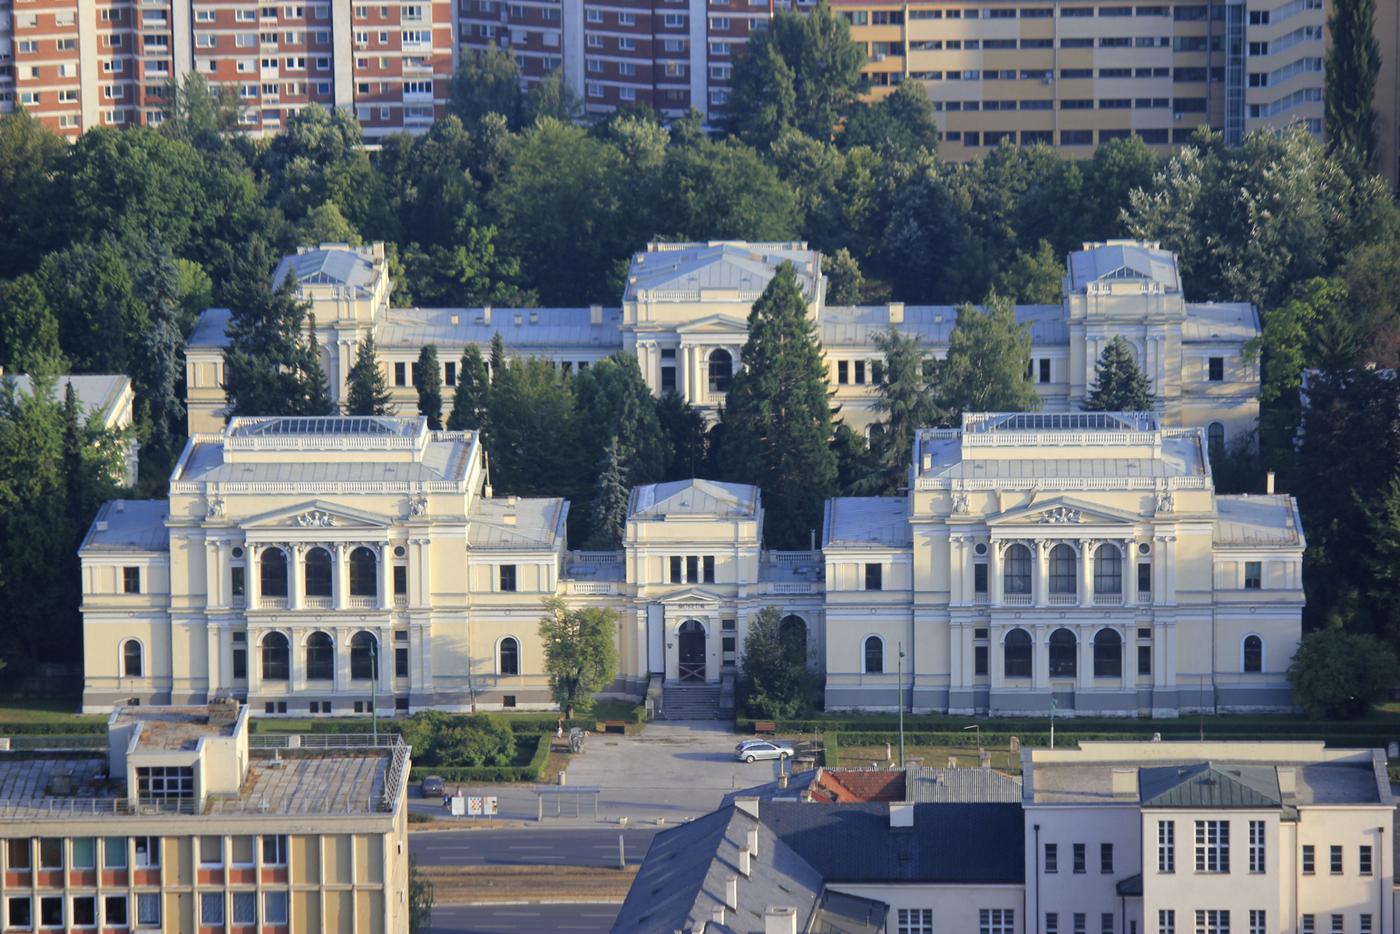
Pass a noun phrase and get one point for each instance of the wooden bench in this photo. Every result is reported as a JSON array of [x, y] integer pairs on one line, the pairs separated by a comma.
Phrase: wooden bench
[[612, 726], [765, 727]]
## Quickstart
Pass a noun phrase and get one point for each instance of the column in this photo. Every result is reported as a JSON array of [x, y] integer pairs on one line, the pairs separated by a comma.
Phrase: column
[[1169, 545], [1086, 572], [254, 661], [418, 560], [1040, 661], [1042, 573], [252, 578], [296, 567], [385, 657], [342, 659], [994, 572], [996, 658], [340, 577], [385, 575], [214, 576], [1085, 634], [296, 661], [1159, 569]]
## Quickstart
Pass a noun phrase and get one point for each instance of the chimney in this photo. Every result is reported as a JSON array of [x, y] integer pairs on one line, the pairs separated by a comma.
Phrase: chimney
[[717, 917], [595, 314], [1287, 780], [1124, 782], [901, 815], [745, 869], [753, 842], [486, 314], [731, 893], [748, 804], [1269, 483], [896, 311], [780, 921], [927, 461], [456, 319]]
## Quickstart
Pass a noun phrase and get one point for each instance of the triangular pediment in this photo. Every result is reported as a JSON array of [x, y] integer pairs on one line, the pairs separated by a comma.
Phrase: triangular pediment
[[714, 324], [691, 595], [1063, 510], [316, 514]]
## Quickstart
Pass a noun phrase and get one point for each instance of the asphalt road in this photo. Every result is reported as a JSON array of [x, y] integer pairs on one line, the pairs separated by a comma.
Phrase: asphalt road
[[523, 919], [537, 847]]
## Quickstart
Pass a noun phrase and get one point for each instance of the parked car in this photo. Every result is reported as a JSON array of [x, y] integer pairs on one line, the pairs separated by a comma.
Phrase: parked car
[[432, 786], [751, 749]]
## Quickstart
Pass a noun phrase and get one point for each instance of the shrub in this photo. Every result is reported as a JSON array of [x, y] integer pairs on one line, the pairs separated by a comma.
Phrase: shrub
[[443, 739], [1341, 675]]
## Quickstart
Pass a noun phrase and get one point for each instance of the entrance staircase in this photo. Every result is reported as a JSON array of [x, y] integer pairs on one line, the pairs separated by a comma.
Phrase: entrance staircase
[[691, 702]]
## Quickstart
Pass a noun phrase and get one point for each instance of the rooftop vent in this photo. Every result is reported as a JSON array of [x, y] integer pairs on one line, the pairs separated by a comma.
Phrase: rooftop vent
[[901, 815], [223, 711], [780, 921], [456, 319]]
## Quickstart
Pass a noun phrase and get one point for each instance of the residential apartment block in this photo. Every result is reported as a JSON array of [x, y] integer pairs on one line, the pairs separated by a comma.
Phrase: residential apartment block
[[684, 315], [1079, 557], [80, 65], [187, 823], [1112, 838]]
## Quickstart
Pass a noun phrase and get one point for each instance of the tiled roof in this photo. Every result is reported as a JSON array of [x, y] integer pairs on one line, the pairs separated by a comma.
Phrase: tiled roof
[[867, 520], [1122, 259], [129, 525], [694, 498], [1257, 520], [1208, 785], [855, 786]]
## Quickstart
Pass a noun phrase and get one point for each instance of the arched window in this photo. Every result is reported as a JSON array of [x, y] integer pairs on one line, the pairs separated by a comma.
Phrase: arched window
[[1017, 575], [364, 573], [1108, 569], [1253, 655], [1063, 569], [1215, 438], [721, 370], [1108, 654], [272, 568], [1064, 652], [275, 657], [320, 657], [510, 656], [131, 659], [792, 636], [318, 573], [1017, 650], [364, 656], [874, 656]]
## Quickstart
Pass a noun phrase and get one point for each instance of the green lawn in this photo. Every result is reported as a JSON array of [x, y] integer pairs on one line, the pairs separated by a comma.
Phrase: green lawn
[[44, 710]]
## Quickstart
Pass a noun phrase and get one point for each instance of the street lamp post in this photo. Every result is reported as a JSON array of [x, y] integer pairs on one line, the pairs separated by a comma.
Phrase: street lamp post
[[374, 689], [900, 677]]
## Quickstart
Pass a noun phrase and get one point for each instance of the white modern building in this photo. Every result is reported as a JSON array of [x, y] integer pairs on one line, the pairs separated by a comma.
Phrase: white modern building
[[684, 313]]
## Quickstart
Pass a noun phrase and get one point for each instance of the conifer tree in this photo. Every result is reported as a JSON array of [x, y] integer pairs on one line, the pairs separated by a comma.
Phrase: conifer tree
[[777, 423], [367, 392], [315, 390], [1119, 385], [1353, 63], [613, 401], [498, 356], [989, 353], [471, 397], [907, 403], [159, 364], [686, 429], [427, 376], [74, 476], [265, 363], [610, 496]]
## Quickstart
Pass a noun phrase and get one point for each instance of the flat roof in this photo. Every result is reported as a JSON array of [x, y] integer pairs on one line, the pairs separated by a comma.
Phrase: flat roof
[[413, 328], [1266, 520], [128, 525], [172, 728]]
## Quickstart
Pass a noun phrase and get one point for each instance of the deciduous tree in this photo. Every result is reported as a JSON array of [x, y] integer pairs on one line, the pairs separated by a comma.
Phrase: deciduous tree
[[1339, 675], [989, 353], [28, 329], [773, 678], [580, 653]]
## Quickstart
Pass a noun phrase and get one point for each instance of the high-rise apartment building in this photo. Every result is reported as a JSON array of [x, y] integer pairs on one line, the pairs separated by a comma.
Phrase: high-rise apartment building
[[77, 65]]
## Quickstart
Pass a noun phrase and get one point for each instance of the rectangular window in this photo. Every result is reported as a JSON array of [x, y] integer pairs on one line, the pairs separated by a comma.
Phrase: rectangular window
[[1081, 923], [692, 569], [709, 568], [1106, 923], [1166, 846], [1308, 925], [148, 909], [1363, 861], [274, 908], [240, 655], [1106, 858], [17, 853], [860, 372], [915, 921], [84, 853], [19, 912], [1044, 375], [508, 578], [165, 782], [1079, 858], [1144, 659], [245, 908], [84, 911], [449, 370], [400, 580], [1212, 921], [979, 660], [211, 851], [1052, 923], [211, 909], [675, 569], [1309, 863], [979, 578], [1256, 846], [131, 580], [274, 849], [1365, 927], [873, 576], [1257, 918], [1166, 921], [1216, 367], [996, 921], [843, 375], [51, 911], [400, 374], [1339, 924], [1253, 575], [1212, 846], [147, 854], [1052, 857], [50, 852], [1334, 861], [1144, 583]]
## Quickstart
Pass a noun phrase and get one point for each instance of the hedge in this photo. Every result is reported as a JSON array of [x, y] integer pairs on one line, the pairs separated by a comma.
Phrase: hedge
[[530, 772], [1375, 731], [55, 728], [1066, 738]]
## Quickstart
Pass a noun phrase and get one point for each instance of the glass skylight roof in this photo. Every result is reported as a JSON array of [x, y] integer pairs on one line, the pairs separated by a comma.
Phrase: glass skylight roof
[[1067, 421], [329, 425]]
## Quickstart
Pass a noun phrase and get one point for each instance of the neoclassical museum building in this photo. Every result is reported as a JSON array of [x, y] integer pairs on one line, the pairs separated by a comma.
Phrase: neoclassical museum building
[[322, 565]]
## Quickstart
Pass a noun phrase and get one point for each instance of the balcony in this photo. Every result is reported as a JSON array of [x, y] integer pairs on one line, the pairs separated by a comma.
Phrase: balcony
[[318, 603], [400, 600], [364, 603], [1063, 599], [1016, 599], [981, 599], [272, 603], [593, 588], [1108, 599]]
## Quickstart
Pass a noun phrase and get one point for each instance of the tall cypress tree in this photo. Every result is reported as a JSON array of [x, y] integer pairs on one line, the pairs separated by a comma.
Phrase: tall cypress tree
[[367, 392], [472, 395], [777, 422], [498, 355], [989, 353], [266, 358], [610, 496], [315, 389], [1353, 62], [1119, 385], [907, 403], [427, 376], [158, 367]]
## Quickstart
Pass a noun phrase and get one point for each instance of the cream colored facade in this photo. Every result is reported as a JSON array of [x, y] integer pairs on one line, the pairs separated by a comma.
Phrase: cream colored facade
[[684, 316], [1278, 837], [188, 825], [108, 400], [1074, 74]]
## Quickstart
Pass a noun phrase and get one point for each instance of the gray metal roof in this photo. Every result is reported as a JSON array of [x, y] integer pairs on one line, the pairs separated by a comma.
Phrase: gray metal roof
[[1123, 259], [508, 522], [961, 786], [134, 525], [96, 392], [839, 913], [441, 459], [537, 328], [1227, 322], [341, 267], [1250, 520], [867, 520], [211, 329], [843, 326], [694, 498], [1209, 785], [688, 268]]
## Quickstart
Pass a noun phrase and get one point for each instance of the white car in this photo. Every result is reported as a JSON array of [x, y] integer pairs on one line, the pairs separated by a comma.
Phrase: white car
[[751, 749]]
